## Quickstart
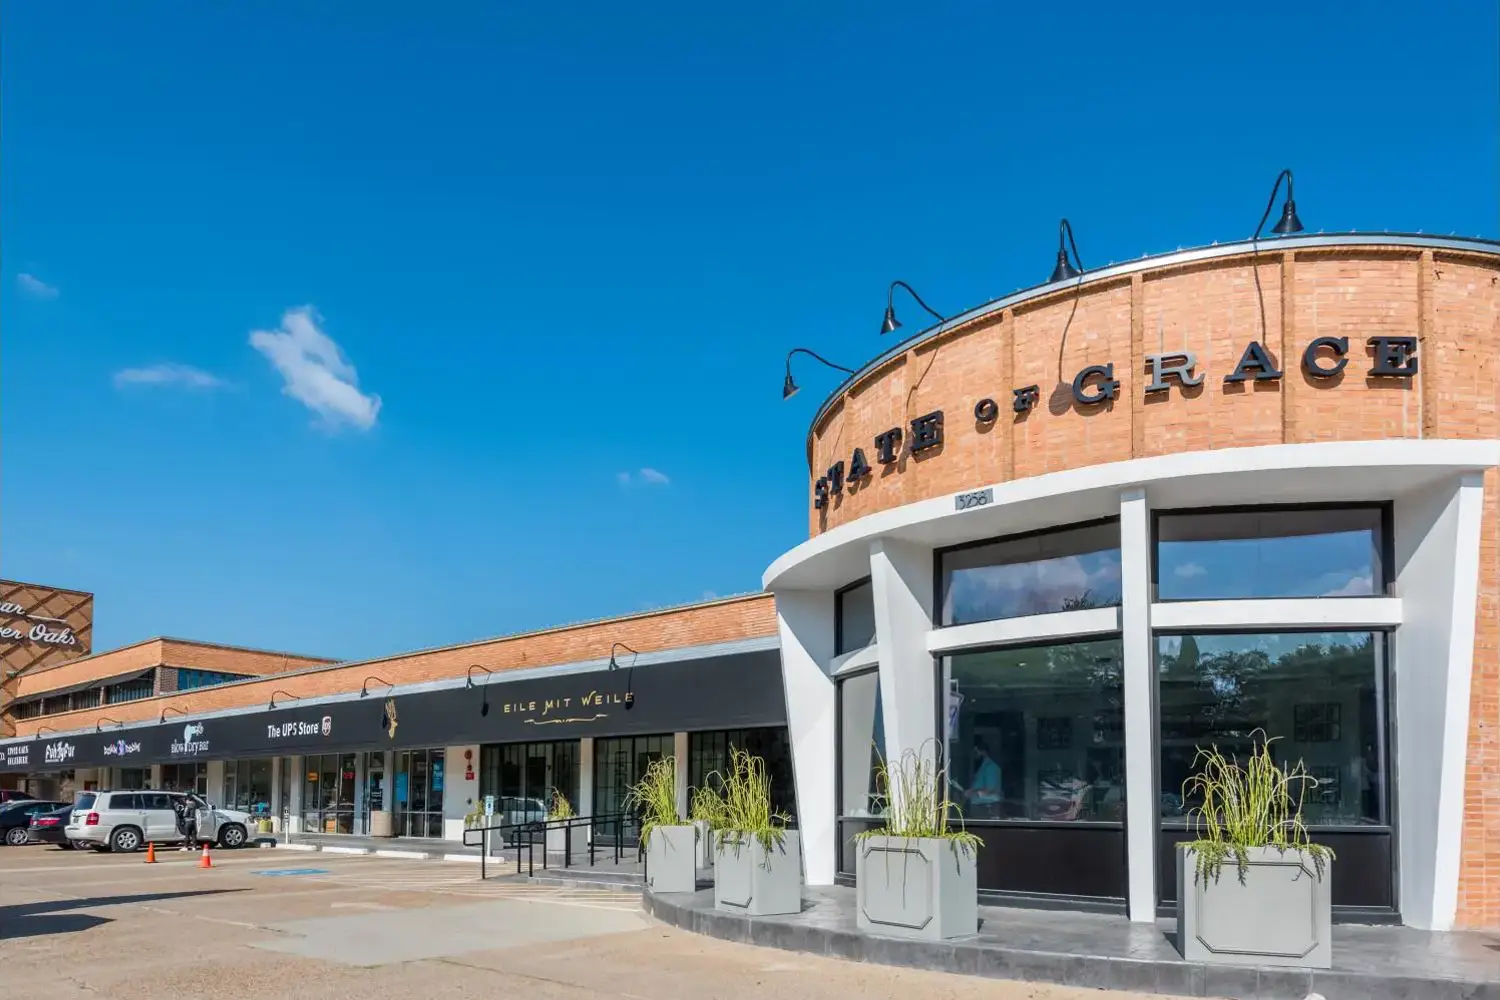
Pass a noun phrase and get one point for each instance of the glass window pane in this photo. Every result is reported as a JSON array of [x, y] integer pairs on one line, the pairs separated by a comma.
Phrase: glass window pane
[[856, 617], [1065, 570], [1320, 696], [1038, 733], [862, 743], [1270, 553]]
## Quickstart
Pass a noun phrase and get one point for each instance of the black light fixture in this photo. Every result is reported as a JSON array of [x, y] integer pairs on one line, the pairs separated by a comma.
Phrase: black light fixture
[[788, 387], [364, 688], [1288, 223], [279, 691], [162, 716], [469, 680], [39, 731], [620, 645], [99, 723], [484, 694], [1065, 269], [890, 322]]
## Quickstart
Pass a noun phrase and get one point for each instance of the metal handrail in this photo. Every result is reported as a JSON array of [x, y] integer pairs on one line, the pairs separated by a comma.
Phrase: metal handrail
[[530, 829]]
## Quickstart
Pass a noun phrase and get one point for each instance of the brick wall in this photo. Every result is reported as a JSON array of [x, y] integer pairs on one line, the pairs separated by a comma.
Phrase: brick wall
[[156, 652], [716, 621], [1450, 301]]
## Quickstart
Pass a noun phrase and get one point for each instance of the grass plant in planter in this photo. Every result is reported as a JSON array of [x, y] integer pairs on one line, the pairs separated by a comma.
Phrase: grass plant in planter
[[757, 860], [670, 841], [1252, 889], [706, 811], [915, 876], [574, 838]]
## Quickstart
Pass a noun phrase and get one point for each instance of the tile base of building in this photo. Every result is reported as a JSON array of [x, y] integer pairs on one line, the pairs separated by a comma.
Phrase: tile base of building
[[1102, 952]]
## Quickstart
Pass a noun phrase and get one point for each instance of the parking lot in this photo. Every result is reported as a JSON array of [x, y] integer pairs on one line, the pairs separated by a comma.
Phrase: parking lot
[[273, 923]]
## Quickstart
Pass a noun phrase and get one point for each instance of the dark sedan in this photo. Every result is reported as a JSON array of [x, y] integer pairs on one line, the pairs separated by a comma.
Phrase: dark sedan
[[51, 827], [15, 819]]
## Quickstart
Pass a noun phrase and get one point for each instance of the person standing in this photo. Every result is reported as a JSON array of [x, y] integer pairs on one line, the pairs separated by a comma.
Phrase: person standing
[[187, 821], [984, 791]]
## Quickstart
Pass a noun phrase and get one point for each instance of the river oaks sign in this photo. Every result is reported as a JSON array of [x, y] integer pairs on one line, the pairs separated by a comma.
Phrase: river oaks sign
[[50, 631], [1323, 362]]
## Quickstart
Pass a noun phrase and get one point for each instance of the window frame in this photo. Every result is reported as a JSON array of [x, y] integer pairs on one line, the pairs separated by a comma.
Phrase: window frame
[[1387, 655], [1386, 543], [838, 611], [940, 583]]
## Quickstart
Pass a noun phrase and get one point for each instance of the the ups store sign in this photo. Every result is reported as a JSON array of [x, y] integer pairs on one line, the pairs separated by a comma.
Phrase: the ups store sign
[[722, 692]]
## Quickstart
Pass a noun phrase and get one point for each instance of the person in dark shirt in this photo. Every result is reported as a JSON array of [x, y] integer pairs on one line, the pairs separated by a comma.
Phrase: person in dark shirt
[[187, 821]]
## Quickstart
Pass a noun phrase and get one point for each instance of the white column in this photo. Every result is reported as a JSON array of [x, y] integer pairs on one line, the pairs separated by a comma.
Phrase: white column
[[214, 777], [294, 801], [276, 796], [1437, 577], [1141, 819], [680, 752], [155, 775], [460, 792], [805, 621], [901, 576], [360, 826], [586, 776]]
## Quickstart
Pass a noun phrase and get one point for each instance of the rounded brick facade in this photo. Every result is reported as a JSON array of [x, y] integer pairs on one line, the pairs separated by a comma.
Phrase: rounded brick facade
[[1422, 321]]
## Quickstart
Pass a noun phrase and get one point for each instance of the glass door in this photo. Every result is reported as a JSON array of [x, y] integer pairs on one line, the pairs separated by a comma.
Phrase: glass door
[[618, 764], [418, 799]]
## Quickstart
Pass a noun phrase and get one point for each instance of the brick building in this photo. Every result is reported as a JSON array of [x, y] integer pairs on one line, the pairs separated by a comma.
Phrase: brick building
[[1069, 536]]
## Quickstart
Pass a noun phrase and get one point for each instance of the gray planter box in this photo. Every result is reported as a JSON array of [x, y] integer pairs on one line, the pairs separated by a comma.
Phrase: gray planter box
[[915, 887], [1279, 914], [672, 859], [579, 835], [752, 880], [705, 843]]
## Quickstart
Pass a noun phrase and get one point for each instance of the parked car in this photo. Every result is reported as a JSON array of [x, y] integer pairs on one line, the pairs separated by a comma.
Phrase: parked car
[[15, 819], [127, 821], [12, 795], [52, 827]]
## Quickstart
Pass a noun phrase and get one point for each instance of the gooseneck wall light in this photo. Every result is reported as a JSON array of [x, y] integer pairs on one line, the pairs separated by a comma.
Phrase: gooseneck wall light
[[162, 717], [39, 731], [890, 323], [620, 645], [484, 694], [1288, 223], [287, 694], [99, 723], [789, 387], [1064, 270], [364, 688]]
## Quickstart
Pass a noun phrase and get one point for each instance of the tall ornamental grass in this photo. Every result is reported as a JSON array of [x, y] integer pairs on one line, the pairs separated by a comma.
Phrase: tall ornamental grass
[[743, 807], [1255, 805], [917, 806], [655, 795], [560, 807]]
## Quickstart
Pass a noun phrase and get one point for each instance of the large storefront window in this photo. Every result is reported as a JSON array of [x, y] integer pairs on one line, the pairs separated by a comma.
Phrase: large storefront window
[[709, 753], [1038, 733], [620, 763], [328, 792], [247, 786], [861, 744], [1068, 570], [524, 775], [1319, 695], [185, 778], [419, 793], [1274, 552], [855, 622]]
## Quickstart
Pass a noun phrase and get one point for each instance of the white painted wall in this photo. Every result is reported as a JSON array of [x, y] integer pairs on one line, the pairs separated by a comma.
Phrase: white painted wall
[[805, 621], [1437, 575], [901, 574], [459, 793]]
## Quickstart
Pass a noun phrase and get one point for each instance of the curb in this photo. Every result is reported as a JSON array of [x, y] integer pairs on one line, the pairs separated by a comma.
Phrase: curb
[[1178, 978]]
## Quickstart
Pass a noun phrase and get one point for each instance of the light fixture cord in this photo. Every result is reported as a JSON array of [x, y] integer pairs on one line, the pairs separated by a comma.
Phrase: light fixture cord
[[1067, 227]]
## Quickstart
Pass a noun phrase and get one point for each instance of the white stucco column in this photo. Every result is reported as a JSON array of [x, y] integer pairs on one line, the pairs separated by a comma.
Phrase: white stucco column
[[460, 791], [805, 621], [294, 800], [586, 776], [901, 575], [1141, 819], [1437, 536], [680, 752]]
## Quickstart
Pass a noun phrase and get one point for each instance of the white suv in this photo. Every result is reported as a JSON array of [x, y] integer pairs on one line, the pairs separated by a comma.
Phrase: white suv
[[127, 821]]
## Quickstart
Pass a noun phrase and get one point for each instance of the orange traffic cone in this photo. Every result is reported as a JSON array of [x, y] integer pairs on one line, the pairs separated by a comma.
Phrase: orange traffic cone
[[151, 854], [205, 861]]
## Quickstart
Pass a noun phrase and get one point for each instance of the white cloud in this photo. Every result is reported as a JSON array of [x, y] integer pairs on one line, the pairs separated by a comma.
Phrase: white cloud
[[35, 287], [1189, 570], [1356, 585], [168, 374], [645, 477], [316, 372]]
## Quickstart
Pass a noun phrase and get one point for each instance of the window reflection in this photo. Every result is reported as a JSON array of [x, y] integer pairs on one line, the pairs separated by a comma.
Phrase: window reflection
[[856, 617], [861, 743], [1320, 695], [1067, 570], [1283, 552], [1038, 733]]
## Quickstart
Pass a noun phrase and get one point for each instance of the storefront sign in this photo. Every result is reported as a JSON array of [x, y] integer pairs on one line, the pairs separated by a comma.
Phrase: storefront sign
[[122, 748], [17, 754], [568, 709], [191, 743], [57, 753], [300, 727], [40, 633], [1323, 361]]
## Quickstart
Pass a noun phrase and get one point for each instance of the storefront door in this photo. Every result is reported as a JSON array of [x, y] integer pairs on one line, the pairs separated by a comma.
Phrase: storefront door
[[418, 799], [618, 764], [529, 774]]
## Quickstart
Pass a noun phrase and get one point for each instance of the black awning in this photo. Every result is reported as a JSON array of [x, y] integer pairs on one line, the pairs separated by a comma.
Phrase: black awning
[[85, 685]]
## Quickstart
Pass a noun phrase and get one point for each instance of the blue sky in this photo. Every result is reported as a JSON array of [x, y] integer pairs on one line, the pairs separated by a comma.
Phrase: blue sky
[[558, 244]]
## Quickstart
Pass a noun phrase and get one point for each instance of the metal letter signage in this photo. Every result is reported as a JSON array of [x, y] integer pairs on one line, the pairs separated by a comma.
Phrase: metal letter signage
[[1323, 359]]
